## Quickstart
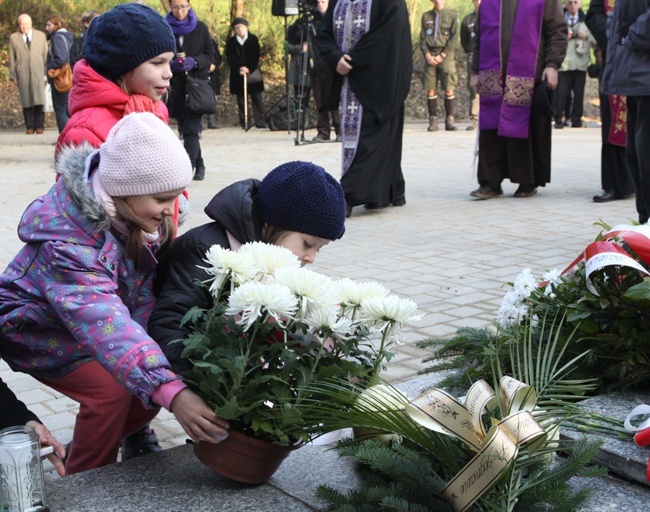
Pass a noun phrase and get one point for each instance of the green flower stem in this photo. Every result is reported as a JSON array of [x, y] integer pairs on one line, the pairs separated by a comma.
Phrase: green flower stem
[[379, 359]]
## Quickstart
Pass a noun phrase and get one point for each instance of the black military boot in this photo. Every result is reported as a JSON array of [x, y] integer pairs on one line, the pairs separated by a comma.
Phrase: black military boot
[[449, 109], [432, 105]]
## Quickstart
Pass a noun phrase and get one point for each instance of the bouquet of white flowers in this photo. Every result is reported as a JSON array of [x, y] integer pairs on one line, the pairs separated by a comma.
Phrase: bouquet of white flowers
[[276, 330]]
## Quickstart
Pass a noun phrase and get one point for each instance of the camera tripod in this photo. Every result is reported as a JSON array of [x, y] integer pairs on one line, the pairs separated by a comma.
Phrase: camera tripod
[[294, 101]]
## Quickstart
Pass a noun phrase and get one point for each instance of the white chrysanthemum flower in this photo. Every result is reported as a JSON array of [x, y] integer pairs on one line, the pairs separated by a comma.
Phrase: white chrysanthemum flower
[[554, 278], [512, 310], [226, 264], [387, 314], [252, 299], [324, 319], [534, 321], [269, 258], [524, 284], [311, 287], [352, 293]]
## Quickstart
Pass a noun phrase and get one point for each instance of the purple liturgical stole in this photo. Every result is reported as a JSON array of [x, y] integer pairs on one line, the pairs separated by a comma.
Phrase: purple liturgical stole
[[506, 104], [351, 21]]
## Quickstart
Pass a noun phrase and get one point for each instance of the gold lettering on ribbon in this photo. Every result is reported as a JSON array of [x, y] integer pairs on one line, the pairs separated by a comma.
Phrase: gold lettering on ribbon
[[439, 411]]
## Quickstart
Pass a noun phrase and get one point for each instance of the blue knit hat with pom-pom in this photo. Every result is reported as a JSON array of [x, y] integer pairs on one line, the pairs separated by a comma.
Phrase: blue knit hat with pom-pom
[[124, 37], [303, 197]]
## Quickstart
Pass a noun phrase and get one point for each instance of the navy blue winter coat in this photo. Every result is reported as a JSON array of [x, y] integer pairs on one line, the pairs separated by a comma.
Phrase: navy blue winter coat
[[627, 71]]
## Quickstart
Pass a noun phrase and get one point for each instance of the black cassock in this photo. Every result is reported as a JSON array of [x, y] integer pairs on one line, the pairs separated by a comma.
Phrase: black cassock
[[380, 79]]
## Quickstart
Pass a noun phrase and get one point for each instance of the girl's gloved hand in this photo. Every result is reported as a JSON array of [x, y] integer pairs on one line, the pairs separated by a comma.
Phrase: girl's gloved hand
[[183, 65]]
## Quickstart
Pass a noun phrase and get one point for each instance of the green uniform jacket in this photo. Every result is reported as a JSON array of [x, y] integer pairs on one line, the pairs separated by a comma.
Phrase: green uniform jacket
[[447, 39]]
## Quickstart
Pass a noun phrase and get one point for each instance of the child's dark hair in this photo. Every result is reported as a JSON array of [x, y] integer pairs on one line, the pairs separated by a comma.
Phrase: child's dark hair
[[135, 239], [273, 234]]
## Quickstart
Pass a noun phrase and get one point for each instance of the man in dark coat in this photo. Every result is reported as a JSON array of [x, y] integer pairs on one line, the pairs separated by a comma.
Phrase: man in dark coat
[[615, 175], [467, 35], [194, 41], [627, 73], [321, 78], [243, 55], [369, 47], [519, 47]]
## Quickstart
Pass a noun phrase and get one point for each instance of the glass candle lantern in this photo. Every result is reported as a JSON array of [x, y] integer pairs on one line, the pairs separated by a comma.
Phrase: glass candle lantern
[[21, 471]]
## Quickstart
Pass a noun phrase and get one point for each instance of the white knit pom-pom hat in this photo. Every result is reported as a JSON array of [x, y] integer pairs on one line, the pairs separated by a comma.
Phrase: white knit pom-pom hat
[[142, 156]]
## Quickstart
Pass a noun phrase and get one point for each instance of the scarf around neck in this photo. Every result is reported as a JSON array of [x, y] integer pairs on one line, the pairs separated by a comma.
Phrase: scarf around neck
[[182, 28]]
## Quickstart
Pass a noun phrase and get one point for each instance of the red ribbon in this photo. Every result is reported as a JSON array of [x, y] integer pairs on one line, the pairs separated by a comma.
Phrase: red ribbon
[[637, 242]]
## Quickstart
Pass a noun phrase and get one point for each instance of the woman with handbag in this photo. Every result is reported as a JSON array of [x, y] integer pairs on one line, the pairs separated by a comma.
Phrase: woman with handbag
[[243, 54], [57, 63], [195, 54]]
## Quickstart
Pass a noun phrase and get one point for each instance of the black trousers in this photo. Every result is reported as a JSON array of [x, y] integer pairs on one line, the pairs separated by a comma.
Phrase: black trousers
[[34, 117], [319, 83], [60, 103], [258, 109], [614, 171], [638, 151], [190, 124], [571, 81]]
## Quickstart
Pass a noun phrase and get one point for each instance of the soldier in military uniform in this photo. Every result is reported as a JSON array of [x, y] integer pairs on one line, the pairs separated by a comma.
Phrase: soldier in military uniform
[[467, 35], [438, 40]]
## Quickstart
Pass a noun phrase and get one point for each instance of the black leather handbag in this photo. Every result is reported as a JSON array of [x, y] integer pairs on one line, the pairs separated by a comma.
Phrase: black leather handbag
[[200, 98], [255, 77]]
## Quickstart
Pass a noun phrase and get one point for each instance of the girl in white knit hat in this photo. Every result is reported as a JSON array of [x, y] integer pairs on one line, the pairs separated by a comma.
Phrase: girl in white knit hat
[[75, 301]]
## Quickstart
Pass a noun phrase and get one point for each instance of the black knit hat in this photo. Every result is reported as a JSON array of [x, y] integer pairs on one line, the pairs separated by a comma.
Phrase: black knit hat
[[124, 37], [238, 21], [300, 196]]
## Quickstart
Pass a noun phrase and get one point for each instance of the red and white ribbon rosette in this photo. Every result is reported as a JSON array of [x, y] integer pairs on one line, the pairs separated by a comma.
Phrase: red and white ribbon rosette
[[606, 252]]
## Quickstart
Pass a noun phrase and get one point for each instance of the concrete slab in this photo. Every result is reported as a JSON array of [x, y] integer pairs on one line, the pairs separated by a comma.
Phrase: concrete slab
[[620, 456]]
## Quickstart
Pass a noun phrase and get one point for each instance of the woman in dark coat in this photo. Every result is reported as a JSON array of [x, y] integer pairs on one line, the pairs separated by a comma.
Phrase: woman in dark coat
[[243, 54], [192, 39]]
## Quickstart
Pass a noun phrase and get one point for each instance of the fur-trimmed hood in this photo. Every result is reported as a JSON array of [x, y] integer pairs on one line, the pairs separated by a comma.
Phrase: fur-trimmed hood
[[69, 211]]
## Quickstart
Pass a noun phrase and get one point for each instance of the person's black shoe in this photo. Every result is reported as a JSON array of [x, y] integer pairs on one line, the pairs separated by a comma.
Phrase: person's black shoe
[[348, 209], [199, 174], [139, 443], [581, 124], [610, 195], [399, 202], [375, 206], [559, 125], [485, 192], [525, 191]]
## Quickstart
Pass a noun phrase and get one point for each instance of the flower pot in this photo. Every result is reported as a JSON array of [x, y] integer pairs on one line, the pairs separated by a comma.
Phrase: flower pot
[[243, 458]]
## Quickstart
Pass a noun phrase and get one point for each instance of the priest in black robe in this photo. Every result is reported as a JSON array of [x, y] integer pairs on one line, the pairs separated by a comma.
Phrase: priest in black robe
[[367, 44]]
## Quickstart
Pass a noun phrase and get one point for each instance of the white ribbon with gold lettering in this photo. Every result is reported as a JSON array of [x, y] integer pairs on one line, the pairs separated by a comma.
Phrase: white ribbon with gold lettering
[[439, 411]]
